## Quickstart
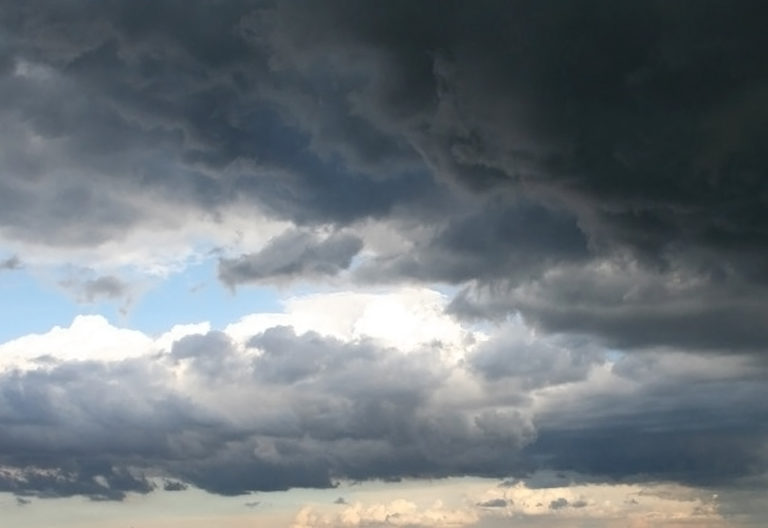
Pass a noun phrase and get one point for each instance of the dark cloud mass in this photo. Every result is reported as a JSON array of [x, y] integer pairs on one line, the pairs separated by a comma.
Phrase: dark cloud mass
[[529, 136], [596, 168], [305, 410]]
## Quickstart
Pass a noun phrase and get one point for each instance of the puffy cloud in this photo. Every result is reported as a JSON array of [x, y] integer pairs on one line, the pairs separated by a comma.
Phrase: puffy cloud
[[274, 407], [327, 408], [399, 512]]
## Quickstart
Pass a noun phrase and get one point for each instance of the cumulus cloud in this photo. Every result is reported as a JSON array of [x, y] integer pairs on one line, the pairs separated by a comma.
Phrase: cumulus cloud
[[184, 405], [587, 176], [399, 512]]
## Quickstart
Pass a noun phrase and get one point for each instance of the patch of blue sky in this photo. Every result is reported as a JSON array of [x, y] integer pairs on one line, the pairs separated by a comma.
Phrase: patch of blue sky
[[31, 305], [195, 295]]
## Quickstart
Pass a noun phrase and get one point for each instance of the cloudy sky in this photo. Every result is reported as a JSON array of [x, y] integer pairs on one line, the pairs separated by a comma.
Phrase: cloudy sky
[[319, 264]]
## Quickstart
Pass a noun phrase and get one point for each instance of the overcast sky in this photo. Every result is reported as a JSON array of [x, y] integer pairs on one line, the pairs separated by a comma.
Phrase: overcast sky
[[320, 264]]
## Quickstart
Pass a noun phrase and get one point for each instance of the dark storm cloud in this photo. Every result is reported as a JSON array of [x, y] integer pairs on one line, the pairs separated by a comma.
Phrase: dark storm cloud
[[526, 135], [292, 255], [495, 240], [628, 306], [132, 108], [685, 421], [642, 120]]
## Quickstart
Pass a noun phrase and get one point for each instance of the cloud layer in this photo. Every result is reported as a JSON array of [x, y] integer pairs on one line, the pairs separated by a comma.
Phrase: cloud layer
[[586, 180], [262, 407], [533, 140]]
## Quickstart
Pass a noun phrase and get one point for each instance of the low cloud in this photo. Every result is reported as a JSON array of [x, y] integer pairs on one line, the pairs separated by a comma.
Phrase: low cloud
[[352, 407]]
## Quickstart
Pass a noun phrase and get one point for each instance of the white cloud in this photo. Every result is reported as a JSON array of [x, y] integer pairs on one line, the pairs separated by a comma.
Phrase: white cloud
[[89, 337]]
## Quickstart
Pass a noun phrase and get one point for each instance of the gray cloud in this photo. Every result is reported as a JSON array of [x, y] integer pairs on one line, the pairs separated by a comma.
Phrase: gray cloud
[[492, 240], [321, 417], [11, 264], [528, 112], [174, 485], [701, 432], [597, 167], [627, 306], [495, 127], [292, 255], [493, 503], [522, 360], [103, 287], [559, 504], [305, 410]]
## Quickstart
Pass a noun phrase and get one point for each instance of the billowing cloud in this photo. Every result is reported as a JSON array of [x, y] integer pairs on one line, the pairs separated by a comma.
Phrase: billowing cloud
[[521, 152], [585, 180], [236, 411]]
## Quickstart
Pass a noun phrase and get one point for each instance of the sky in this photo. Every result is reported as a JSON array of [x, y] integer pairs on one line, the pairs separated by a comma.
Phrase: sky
[[356, 264]]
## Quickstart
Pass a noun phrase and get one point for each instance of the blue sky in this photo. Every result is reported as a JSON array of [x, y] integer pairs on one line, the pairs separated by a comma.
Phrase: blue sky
[[34, 304]]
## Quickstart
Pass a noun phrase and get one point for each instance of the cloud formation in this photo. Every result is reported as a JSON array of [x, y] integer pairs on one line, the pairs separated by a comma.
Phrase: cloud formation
[[495, 127], [292, 255], [237, 411], [585, 179]]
